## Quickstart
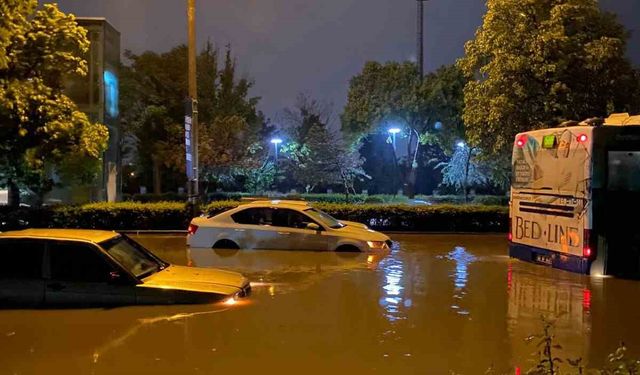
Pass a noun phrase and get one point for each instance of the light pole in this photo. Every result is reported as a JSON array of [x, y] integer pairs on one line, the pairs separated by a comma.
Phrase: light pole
[[193, 96], [276, 142], [420, 41], [393, 132]]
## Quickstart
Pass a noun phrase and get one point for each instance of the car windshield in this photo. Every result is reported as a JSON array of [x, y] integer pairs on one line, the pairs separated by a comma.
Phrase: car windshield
[[133, 257], [324, 218]]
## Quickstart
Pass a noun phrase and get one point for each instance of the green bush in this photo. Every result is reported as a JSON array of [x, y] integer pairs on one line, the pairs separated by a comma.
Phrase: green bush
[[176, 216], [117, 216], [150, 197], [439, 218]]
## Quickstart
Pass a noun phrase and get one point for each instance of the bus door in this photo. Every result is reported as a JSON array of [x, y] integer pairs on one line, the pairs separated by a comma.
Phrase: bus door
[[619, 212]]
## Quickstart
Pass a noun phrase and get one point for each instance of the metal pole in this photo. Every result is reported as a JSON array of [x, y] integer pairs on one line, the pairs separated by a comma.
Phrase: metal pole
[[420, 42], [193, 94]]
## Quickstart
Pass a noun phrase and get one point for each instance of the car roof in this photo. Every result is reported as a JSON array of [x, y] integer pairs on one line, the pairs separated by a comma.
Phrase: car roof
[[277, 203], [91, 235]]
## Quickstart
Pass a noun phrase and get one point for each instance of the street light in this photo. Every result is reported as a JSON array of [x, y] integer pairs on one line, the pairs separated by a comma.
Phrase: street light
[[461, 144], [393, 132], [276, 142]]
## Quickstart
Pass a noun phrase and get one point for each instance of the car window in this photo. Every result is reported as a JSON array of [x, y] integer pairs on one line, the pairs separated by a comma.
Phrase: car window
[[21, 259], [77, 262], [254, 216], [132, 256], [290, 218]]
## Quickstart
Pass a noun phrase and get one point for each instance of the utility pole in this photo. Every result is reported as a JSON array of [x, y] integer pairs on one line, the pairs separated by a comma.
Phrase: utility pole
[[420, 30], [193, 96]]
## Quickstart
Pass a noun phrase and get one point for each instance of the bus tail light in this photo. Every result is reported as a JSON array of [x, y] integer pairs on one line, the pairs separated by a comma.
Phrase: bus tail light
[[588, 245], [509, 234], [521, 141], [192, 229], [582, 138]]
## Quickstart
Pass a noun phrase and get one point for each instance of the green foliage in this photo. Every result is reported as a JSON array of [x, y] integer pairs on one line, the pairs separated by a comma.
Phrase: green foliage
[[442, 218], [462, 170], [231, 129], [547, 362], [382, 93], [176, 216], [317, 154], [39, 49], [536, 63]]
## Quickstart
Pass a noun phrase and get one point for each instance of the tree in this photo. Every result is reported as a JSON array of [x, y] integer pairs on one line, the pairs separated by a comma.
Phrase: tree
[[463, 169], [39, 49], [391, 94], [231, 128], [536, 63], [316, 154]]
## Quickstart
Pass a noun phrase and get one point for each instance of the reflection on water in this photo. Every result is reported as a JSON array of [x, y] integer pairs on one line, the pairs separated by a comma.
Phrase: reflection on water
[[392, 300], [319, 313], [462, 259]]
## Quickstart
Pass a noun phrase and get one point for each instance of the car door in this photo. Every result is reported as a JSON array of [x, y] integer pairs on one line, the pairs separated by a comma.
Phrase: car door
[[254, 229], [292, 233], [21, 277], [80, 274]]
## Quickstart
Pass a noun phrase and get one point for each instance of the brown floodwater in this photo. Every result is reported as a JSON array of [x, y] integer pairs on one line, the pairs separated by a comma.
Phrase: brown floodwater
[[435, 304]]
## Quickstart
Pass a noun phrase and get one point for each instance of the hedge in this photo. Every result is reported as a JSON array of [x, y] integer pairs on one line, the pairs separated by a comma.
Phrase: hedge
[[176, 216], [489, 200]]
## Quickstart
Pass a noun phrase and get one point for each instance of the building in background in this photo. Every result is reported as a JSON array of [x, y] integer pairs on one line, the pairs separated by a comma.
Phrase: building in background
[[96, 94]]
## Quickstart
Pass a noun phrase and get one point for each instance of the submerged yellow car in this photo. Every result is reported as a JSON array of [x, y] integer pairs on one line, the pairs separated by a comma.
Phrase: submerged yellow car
[[93, 267]]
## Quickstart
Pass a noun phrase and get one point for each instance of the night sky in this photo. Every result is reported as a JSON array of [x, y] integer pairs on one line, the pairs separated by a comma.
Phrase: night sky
[[315, 47]]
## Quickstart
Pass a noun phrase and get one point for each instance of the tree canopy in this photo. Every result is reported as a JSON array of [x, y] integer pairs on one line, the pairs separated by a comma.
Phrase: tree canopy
[[229, 123], [536, 63], [41, 126]]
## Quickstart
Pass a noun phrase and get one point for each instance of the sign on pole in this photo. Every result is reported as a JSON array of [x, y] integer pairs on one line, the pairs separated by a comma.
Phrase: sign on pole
[[187, 144]]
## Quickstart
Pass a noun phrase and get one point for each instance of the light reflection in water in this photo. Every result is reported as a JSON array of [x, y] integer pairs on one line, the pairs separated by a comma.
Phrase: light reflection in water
[[392, 300], [463, 259]]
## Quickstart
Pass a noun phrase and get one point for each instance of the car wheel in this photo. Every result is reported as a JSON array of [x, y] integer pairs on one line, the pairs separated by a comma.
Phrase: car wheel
[[348, 249], [226, 244]]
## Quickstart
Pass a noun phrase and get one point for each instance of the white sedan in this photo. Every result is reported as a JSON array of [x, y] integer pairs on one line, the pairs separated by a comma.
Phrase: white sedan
[[281, 224]]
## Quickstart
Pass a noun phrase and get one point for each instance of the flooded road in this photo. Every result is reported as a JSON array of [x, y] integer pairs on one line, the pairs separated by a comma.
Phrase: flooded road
[[435, 304]]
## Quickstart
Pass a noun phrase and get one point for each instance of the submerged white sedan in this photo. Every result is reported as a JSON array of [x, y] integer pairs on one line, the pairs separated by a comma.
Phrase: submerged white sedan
[[282, 224]]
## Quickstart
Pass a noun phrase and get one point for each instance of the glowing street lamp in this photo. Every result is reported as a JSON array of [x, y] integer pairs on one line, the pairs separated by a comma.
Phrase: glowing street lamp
[[276, 142], [393, 132], [461, 144]]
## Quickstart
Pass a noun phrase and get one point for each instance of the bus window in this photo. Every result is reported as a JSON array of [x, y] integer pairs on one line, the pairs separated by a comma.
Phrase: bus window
[[624, 171], [560, 165]]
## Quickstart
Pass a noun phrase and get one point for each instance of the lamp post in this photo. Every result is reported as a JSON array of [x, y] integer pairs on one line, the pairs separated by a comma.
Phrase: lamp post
[[276, 142], [193, 100], [420, 37], [393, 132]]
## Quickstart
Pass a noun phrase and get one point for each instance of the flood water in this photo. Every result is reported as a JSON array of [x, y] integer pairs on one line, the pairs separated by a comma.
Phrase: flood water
[[435, 304]]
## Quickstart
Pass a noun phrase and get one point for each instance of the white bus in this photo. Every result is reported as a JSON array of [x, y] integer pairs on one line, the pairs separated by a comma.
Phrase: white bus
[[575, 196]]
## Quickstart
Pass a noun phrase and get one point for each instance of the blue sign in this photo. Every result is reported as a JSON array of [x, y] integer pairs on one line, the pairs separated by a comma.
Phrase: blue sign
[[187, 144]]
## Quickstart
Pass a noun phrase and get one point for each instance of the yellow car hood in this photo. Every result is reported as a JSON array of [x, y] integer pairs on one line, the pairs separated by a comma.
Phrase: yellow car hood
[[207, 280]]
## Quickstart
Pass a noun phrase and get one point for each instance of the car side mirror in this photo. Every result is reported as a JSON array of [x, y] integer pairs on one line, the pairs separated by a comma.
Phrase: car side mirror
[[314, 226]]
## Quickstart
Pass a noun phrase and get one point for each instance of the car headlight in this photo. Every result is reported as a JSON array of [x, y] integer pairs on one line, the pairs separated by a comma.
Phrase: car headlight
[[376, 244]]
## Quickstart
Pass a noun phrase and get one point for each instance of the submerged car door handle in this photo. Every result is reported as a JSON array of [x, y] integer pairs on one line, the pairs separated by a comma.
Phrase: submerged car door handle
[[56, 287]]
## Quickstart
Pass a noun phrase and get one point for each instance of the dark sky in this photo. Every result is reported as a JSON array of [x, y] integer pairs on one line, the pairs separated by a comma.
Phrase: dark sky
[[292, 46]]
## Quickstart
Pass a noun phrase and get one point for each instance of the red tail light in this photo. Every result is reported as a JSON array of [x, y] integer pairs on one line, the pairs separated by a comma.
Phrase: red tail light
[[588, 245], [509, 235], [192, 229], [582, 138], [521, 141]]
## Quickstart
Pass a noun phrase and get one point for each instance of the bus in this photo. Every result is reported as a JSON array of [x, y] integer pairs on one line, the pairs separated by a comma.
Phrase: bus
[[575, 196]]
